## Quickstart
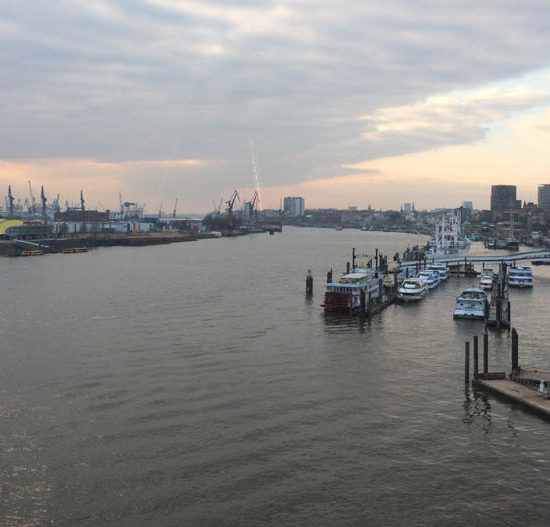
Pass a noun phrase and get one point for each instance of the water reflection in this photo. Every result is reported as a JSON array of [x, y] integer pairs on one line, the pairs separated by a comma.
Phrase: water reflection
[[477, 409], [340, 323]]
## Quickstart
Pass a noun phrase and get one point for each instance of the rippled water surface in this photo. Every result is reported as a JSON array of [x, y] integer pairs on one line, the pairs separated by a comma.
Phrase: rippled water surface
[[195, 383]]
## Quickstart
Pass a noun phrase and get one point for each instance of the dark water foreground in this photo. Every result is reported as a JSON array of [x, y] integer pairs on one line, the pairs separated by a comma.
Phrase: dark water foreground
[[194, 384]]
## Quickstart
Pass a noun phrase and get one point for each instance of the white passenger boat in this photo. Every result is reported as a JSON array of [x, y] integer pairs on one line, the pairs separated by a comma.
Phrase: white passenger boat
[[487, 279], [472, 303], [430, 278], [441, 268], [345, 295], [412, 290], [449, 239], [520, 277]]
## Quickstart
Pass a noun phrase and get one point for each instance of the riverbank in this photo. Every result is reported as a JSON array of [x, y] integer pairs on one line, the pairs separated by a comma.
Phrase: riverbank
[[56, 245]]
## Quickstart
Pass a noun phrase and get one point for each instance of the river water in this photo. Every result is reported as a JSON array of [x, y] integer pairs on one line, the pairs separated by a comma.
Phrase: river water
[[195, 384]]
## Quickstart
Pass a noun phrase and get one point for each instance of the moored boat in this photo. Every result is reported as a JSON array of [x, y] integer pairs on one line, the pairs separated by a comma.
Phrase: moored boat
[[430, 278], [449, 239], [472, 303], [520, 277], [345, 295], [441, 268], [487, 279], [412, 290]]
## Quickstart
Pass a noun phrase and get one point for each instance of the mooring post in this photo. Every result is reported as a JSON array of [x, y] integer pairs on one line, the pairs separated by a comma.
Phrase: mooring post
[[509, 316], [485, 353], [362, 302], [309, 282], [353, 257], [329, 277], [376, 258], [369, 305], [499, 308], [515, 350], [467, 362], [347, 267], [476, 357]]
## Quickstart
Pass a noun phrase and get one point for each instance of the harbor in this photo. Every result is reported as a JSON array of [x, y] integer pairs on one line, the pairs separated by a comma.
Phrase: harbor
[[123, 359]]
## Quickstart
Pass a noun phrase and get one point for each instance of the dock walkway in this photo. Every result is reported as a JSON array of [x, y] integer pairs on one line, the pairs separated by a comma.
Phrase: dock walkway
[[520, 393]]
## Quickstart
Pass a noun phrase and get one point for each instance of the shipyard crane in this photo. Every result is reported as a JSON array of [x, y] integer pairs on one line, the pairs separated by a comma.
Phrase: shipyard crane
[[55, 204], [10, 200], [175, 208], [44, 201], [160, 209], [82, 208], [231, 201]]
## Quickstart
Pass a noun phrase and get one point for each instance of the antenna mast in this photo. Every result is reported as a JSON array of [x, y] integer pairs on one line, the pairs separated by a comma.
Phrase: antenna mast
[[256, 179]]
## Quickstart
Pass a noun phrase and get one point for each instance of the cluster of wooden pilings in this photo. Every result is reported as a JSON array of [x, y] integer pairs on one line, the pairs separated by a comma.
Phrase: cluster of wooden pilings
[[500, 309], [485, 374], [529, 388]]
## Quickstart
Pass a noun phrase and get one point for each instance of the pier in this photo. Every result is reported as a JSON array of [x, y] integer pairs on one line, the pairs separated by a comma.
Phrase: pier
[[468, 262], [529, 388]]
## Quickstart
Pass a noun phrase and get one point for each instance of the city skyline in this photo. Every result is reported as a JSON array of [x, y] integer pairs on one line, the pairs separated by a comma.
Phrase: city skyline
[[380, 104]]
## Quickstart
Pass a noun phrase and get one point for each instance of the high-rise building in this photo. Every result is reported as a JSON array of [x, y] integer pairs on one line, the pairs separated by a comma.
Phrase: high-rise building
[[544, 197], [294, 206], [503, 198], [467, 205]]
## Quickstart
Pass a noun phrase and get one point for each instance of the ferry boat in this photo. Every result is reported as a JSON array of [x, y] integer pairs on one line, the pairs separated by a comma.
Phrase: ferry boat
[[487, 279], [520, 277], [412, 290], [345, 295], [449, 239], [441, 268], [472, 303], [430, 278]]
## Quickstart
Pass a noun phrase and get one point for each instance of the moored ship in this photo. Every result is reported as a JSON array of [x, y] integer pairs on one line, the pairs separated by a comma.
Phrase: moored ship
[[345, 295]]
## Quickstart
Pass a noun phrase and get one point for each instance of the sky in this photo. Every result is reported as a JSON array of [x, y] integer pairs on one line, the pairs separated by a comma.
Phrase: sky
[[345, 104]]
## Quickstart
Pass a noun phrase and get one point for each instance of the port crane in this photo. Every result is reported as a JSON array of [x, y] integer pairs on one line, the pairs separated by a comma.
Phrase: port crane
[[10, 200], [175, 207], [44, 201], [231, 201]]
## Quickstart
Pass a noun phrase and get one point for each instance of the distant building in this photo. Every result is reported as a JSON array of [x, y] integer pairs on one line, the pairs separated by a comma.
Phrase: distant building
[[467, 205], [294, 206], [353, 209], [407, 207], [544, 197], [503, 198], [86, 216]]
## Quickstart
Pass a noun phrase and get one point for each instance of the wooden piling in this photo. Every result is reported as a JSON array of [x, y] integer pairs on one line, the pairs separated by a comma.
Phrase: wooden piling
[[309, 283], [467, 362], [329, 277], [347, 267], [485, 353], [515, 350], [509, 316], [476, 357]]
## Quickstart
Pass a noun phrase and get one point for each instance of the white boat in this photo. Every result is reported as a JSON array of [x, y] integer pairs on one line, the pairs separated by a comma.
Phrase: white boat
[[412, 290], [520, 277], [487, 279], [472, 303], [430, 278], [345, 295], [449, 239], [441, 268]]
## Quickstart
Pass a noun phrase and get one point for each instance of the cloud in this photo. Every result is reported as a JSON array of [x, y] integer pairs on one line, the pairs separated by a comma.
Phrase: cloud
[[318, 86]]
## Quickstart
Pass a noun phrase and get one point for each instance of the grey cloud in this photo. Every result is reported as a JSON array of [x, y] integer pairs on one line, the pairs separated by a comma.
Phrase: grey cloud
[[138, 80]]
